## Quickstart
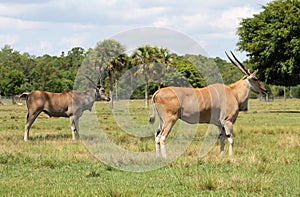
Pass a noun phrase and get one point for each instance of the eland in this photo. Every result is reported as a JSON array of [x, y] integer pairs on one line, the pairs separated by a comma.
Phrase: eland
[[69, 103], [216, 104]]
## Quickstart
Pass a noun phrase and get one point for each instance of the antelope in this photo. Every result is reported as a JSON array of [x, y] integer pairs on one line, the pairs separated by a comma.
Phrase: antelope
[[216, 104], [69, 103]]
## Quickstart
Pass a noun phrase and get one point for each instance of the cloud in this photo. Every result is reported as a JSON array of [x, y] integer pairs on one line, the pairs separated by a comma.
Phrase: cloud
[[231, 18], [142, 13], [9, 39], [53, 26], [74, 40], [41, 47], [17, 24]]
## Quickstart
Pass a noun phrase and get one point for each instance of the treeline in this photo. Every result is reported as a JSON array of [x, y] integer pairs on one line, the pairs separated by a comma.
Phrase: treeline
[[134, 75], [24, 72]]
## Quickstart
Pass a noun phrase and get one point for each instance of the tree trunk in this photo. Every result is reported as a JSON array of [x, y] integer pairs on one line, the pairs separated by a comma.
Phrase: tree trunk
[[159, 85], [284, 93], [291, 92], [146, 93], [111, 91], [13, 100], [159, 81], [117, 84]]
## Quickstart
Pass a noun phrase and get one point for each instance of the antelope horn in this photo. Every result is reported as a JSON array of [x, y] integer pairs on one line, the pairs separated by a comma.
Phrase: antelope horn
[[254, 73], [94, 84], [241, 65], [234, 63]]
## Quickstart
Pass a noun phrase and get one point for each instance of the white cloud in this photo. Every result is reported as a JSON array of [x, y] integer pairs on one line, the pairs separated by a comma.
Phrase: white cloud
[[60, 25], [231, 18], [74, 40], [15, 10], [17, 24], [45, 45], [141, 13], [9, 39], [42, 47], [197, 20]]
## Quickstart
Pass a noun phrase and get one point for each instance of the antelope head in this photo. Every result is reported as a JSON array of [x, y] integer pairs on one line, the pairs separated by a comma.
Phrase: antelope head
[[251, 78], [99, 90], [102, 94]]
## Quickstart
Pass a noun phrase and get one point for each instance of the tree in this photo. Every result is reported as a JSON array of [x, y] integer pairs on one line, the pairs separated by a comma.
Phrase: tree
[[207, 68], [110, 57], [166, 62], [11, 82], [75, 57], [142, 57], [11, 72], [119, 64], [152, 63], [46, 70], [229, 72], [272, 39], [192, 76]]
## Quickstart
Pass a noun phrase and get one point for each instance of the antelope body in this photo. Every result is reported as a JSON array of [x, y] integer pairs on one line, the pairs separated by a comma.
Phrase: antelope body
[[217, 104], [65, 104]]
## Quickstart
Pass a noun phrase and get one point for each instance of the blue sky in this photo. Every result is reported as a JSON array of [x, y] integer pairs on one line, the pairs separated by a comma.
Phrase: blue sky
[[50, 27]]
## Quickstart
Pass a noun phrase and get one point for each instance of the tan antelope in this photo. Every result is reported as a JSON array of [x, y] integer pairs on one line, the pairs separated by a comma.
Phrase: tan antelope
[[65, 104], [217, 104]]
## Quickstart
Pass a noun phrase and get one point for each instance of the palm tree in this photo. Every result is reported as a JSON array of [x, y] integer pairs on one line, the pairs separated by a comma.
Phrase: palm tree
[[117, 65], [153, 63], [110, 58], [144, 56], [166, 61]]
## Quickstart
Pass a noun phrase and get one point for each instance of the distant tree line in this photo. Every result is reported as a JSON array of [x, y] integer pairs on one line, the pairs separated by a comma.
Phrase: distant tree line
[[149, 67]]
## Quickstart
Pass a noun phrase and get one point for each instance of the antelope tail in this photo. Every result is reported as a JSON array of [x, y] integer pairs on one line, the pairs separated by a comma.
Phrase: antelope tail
[[152, 117], [23, 96]]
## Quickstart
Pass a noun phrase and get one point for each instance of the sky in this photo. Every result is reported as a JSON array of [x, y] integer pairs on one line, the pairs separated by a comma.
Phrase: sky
[[49, 27]]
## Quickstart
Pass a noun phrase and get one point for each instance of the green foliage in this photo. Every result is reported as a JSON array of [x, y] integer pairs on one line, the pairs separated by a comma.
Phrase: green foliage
[[176, 78], [152, 63], [11, 82], [295, 91], [229, 72], [23, 73], [189, 72], [106, 55], [206, 67], [109, 62], [272, 39], [11, 72], [110, 57]]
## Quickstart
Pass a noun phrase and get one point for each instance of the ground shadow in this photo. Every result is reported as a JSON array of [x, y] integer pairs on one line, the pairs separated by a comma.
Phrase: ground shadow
[[284, 111], [50, 137]]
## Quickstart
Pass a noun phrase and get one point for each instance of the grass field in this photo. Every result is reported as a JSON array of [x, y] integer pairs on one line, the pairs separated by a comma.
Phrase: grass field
[[266, 160]]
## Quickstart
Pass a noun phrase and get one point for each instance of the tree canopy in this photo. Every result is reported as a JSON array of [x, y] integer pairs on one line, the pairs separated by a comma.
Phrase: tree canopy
[[22, 72], [272, 39], [108, 61], [111, 59]]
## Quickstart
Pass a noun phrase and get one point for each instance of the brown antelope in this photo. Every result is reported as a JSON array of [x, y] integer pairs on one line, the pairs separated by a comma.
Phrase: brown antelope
[[65, 104], [217, 104]]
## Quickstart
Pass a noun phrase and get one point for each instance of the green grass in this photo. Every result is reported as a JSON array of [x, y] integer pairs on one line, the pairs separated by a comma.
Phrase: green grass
[[266, 160]]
